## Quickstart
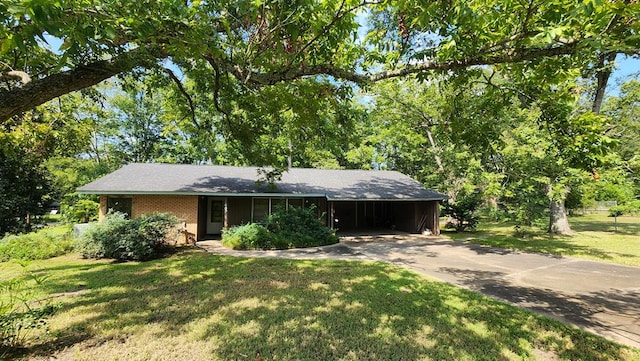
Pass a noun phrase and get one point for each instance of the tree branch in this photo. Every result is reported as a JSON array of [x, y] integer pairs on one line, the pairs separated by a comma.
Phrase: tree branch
[[603, 73], [39, 91], [16, 74], [269, 78], [186, 95]]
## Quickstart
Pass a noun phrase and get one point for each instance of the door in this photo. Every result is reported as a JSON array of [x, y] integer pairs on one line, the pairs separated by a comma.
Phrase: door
[[215, 219]]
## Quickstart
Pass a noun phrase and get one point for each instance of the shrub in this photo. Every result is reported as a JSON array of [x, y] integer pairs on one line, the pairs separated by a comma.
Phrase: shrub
[[43, 244], [83, 211], [292, 228], [248, 236], [120, 238], [463, 211], [297, 227]]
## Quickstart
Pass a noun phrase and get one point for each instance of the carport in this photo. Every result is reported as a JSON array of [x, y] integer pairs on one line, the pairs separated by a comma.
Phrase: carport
[[413, 216]]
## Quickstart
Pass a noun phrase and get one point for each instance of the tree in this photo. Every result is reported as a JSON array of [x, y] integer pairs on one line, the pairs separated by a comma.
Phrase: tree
[[624, 114], [24, 187], [522, 144], [261, 43]]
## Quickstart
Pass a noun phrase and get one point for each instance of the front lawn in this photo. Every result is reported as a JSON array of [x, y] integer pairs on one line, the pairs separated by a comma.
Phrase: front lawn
[[595, 237], [197, 306]]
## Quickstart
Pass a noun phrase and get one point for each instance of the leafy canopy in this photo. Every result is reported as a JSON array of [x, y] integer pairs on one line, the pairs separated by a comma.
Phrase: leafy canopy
[[264, 42]]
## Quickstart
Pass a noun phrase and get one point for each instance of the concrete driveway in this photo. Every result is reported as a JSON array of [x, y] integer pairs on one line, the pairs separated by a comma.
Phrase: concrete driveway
[[599, 297]]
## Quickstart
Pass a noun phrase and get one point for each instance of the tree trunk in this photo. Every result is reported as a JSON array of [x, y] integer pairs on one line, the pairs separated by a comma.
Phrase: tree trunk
[[603, 74], [558, 222]]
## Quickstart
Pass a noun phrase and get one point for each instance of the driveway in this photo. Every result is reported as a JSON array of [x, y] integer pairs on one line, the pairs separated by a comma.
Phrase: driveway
[[599, 297]]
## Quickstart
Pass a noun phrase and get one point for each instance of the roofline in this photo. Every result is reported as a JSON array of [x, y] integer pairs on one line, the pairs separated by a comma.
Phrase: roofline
[[385, 199], [222, 194], [274, 194]]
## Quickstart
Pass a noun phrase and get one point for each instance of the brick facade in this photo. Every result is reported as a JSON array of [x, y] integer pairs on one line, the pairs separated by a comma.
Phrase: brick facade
[[103, 207], [183, 207]]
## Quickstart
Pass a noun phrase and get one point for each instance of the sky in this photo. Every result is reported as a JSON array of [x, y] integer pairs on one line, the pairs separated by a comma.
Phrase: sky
[[626, 67]]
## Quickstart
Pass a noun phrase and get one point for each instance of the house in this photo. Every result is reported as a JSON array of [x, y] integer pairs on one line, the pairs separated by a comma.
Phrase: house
[[209, 198]]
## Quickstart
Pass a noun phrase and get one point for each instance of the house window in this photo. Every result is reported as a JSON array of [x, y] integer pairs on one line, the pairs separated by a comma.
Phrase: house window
[[278, 204], [120, 204], [294, 202], [260, 208], [263, 207]]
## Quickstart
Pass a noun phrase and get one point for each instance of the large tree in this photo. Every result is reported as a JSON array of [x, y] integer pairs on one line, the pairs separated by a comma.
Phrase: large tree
[[265, 42]]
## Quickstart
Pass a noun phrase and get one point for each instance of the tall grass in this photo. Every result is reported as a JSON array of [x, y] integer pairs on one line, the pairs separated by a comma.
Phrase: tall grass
[[45, 243]]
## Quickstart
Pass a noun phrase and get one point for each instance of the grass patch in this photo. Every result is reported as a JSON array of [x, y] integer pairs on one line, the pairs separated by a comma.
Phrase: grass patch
[[198, 306], [595, 237]]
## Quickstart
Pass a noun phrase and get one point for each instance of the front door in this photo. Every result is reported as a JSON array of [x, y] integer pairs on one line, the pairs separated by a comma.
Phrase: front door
[[215, 219]]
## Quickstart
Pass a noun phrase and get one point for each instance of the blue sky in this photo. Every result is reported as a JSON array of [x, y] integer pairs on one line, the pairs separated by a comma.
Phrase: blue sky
[[626, 67]]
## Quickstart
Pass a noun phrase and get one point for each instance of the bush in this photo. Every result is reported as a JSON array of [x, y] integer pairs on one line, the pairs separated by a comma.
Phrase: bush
[[248, 236], [292, 228], [297, 227], [120, 238], [83, 211], [463, 211], [46, 243]]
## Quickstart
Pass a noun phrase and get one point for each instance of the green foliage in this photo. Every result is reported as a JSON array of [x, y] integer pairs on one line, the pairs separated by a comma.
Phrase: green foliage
[[117, 237], [285, 228], [464, 210], [20, 313], [248, 236], [298, 227], [630, 208], [23, 186], [83, 211], [43, 244]]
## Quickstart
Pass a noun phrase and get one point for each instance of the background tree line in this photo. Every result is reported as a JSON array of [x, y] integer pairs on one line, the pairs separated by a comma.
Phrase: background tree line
[[483, 141], [500, 102]]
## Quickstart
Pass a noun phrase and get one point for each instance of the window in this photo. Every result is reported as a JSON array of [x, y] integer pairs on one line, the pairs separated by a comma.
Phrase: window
[[295, 202], [260, 209], [120, 204], [278, 204], [217, 211]]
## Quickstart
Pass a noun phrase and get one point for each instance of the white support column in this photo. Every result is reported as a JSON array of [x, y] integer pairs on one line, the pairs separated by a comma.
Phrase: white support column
[[225, 221], [332, 215]]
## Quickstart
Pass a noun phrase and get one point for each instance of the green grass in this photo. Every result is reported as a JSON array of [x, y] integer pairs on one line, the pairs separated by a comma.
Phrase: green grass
[[594, 238], [198, 306]]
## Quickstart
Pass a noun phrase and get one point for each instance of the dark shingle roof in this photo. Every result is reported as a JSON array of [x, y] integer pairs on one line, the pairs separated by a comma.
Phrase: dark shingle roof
[[212, 179]]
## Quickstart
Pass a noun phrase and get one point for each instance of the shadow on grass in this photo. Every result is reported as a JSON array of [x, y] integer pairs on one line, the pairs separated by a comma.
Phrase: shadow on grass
[[551, 245], [555, 245], [237, 308], [626, 225]]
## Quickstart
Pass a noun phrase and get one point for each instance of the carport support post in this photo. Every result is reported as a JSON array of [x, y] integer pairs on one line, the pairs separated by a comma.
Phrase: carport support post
[[225, 223], [331, 215]]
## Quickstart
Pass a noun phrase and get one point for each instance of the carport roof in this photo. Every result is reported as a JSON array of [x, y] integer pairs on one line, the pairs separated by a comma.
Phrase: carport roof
[[138, 178]]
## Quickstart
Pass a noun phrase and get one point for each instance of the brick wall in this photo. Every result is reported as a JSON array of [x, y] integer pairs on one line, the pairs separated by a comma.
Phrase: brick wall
[[183, 207], [103, 207]]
